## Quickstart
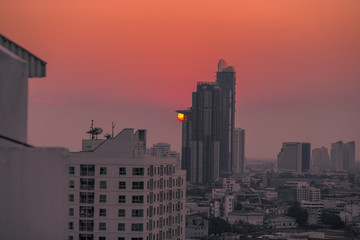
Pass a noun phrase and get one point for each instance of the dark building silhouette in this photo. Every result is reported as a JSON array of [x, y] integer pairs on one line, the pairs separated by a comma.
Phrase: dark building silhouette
[[208, 130], [238, 155], [294, 156]]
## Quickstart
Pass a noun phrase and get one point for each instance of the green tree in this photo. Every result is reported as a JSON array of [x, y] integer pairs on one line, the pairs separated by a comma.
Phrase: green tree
[[300, 214], [332, 219], [238, 207], [218, 225]]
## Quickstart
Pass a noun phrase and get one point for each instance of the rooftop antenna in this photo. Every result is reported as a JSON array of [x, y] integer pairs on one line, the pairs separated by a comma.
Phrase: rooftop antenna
[[112, 129], [92, 129]]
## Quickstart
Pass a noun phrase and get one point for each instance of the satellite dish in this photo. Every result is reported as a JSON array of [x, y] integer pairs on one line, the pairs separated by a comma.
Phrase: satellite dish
[[107, 136], [94, 132]]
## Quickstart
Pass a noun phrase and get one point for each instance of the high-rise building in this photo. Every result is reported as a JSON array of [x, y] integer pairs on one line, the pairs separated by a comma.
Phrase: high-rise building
[[349, 156], [163, 150], [208, 128], [116, 191], [238, 163], [160, 150], [320, 158], [343, 155], [294, 156]]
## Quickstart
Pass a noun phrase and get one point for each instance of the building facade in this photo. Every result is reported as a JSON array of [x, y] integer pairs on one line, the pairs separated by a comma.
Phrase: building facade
[[320, 158], [294, 156], [208, 129], [238, 164], [117, 192], [342, 155]]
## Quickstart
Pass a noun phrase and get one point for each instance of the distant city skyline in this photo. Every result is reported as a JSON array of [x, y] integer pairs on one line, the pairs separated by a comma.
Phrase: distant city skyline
[[296, 63]]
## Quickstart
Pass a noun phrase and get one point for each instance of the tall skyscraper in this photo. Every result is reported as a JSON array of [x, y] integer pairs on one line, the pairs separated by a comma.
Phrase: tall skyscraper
[[294, 156], [320, 158], [342, 155], [238, 166], [208, 128], [349, 155]]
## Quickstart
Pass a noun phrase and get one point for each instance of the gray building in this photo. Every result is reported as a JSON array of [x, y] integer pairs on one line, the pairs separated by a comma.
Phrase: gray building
[[238, 163], [320, 158], [208, 131], [342, 155], [294, 156]]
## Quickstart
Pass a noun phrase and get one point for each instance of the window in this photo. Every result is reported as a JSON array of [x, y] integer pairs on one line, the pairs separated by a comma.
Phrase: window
[[87, 184], [137, 213], [102, 198], [122, 185], [102, 212], [71, 184], [137, 199], [138, 171], [71, 212], [137, 227], [86, 197], [122, 171], [121, 238], [137, 238], [87, 170], [102, 184], [86, 237], [121, 213], [70, 238], [102, 226], [86, 211], [102, 238], [121, 226], [71, 197], [72, 170], [138, 185], [103, 170], [122, 199], [86, 225], [71, 225]]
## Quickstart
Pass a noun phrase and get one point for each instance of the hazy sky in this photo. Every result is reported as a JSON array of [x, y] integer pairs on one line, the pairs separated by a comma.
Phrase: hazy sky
[[137, 62]]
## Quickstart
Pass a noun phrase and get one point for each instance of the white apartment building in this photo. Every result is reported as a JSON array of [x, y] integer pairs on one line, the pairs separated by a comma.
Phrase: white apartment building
[[117, 192], [314, 209], [230, 185]]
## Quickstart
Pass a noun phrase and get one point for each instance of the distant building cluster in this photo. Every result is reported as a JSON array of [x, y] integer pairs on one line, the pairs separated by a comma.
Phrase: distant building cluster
[[295, 156]]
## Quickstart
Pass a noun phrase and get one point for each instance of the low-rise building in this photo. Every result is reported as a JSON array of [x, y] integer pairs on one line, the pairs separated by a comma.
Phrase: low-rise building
[[254, 218], [280, 222], [196, 226]]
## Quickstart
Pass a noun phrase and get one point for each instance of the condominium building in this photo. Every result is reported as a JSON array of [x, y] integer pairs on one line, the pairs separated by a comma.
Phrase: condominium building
[[208, 128], [117, 192], [343, 155], [320, 158], [294, 156], [238, 163]]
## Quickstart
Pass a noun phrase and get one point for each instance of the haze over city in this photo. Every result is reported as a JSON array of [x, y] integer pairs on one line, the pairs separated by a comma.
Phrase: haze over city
[[137, 63]]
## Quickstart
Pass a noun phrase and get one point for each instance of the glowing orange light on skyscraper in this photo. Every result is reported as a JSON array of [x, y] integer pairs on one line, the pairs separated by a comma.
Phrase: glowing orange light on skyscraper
[[182, 117]]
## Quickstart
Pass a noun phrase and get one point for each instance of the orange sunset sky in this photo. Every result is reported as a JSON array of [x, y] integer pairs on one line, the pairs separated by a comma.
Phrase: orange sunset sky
[[137, 62]]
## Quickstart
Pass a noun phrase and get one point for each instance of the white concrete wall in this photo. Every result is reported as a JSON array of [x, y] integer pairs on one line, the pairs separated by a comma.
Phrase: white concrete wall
[[33, 193], [13, 95]]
